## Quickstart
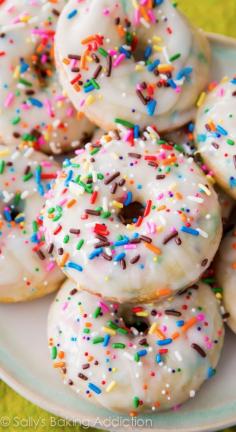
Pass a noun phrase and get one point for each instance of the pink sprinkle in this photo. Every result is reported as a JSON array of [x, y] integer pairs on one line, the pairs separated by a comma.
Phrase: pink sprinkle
[[9, 99], [136, 17], [65, 306], [51, 265], [130, 246], [46, 163], [104, 307], [112, 52], [63, 202], [70, 112], [200, 317], [48, 105], [106, 12], [79, 151], [119, 59], [152, 16]]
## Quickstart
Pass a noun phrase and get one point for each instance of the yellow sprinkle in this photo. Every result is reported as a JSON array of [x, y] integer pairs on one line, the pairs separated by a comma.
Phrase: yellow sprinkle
[[225, 79], [157, 48], [152, 328], [106, 278], [109, 331], [205, 189], [16, 72], [117, 204], [201, 99], [90, 100], [210, 179], [5, 152], [219, 296], [139, 68], [142, 314], [157, 39], [111, 386]]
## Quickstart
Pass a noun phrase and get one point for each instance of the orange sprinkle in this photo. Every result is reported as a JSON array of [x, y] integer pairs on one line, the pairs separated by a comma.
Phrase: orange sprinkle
[[88, 324], [61, 354], [59, 365], [144, 13], [175, 335], [160, 334], [234, 266], [178, 196], [77, 87], [164, 292], [79, 115], [71, 203], [90, 358], [153, 248], [120, 31], [234, 245], [165, 68], [64, 259], [169, 160], [190, 323], [89, 39]]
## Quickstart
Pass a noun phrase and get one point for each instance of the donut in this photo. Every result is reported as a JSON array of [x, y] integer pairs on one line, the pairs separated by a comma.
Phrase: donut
[[34, 110], [134, 358], [216, 134], [26, 268], [225, 269], [132, 220], [136, 62]]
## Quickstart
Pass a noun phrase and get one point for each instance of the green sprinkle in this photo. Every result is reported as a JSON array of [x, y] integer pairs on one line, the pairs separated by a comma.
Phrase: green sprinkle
[[124, 123], [97, 312], [66, 239], [112, 325], [135, 401], [94, 151], [105, 215], [16, 120], [122, 331], [179, 148], [54, 353], [86, 330], [27, 177], [34, 226], [136, 357], [51, 210], [25, 82], [80, 244], [57, 217], [161, 141], [98, 339], [230, 142], [103, 52], [118, 345], [175, 57], [2, 166], [95, 84], [100, 176]]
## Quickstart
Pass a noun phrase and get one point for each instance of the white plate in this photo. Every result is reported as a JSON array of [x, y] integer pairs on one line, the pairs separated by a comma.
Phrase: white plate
[[25, 364]]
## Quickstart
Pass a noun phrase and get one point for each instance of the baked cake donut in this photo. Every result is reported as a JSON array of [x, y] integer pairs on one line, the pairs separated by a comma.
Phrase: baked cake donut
[[33, 108], [27, 270], [132, 219], [216, 134], [225, 268], [131, 62], [134, 358]]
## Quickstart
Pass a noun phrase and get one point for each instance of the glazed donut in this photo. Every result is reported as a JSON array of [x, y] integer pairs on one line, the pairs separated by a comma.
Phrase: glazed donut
[[225, 268], [126, 63], [33, 108], [216, 134], [132, 220], [132, 358], [26, 269]]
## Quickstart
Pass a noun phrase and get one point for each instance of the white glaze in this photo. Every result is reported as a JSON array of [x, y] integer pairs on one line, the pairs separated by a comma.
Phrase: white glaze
[[56, 120], [170, 266], [117, 96], [149, 378], [23, 275], [218, 109], [225, 267]]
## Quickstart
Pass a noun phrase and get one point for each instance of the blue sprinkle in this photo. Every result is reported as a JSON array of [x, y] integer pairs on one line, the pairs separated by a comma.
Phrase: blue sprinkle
[[164, 342], [189, 230], [89, 88], [106, 340], [232, 182], [72, 14], [67, 163], [233, 81], [124, 51], [191, 127], [119, 257], [128, 198], [142, 353], [69, 177], [172, 83], [211, 372], [38, 175], [221, 130], [136, 131], [94, 388], [180, 323], [36, 102], [158, 358], [40, 189], [185, 72], [95, 253], [158, 2], [151, 106], [7, 215], [74, 266], [23, 66], [152, 66], [34, 238], [19, 219], [122, 242], [147, 52]]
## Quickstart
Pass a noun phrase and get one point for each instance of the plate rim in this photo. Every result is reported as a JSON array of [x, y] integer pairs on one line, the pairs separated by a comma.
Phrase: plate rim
[[65, 413]]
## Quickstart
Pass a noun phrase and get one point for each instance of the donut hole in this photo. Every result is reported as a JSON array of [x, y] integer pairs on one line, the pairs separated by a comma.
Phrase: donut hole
[[13, 208], [130, 213], [132, 321], [43, 66]]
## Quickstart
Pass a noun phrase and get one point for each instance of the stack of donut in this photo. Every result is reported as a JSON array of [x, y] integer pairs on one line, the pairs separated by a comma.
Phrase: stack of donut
[[132, 216]]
